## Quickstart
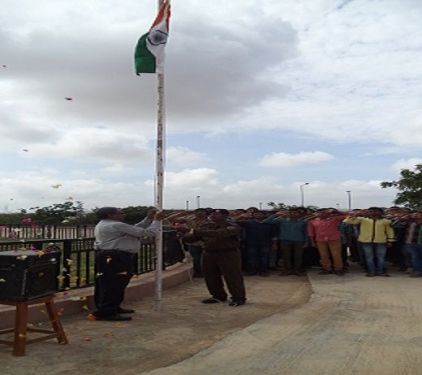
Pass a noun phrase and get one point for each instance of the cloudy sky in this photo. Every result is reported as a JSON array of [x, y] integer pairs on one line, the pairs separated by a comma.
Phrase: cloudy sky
[[262, 96]]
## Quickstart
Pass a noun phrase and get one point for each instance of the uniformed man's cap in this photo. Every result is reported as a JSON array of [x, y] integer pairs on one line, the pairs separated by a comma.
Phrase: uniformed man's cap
[[221, 211]]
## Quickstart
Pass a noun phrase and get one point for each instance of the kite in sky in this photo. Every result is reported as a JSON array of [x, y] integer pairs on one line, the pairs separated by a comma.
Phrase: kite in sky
[[68, 98], [56, 186]]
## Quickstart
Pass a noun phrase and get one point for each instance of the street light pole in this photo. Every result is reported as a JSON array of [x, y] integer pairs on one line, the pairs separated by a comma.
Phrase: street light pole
[[187, 205], [349, 199], [198, 204], [302, 194]]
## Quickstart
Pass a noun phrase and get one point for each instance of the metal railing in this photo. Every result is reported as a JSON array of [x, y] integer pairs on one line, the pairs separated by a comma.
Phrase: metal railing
[[77, 261], [18, 232]]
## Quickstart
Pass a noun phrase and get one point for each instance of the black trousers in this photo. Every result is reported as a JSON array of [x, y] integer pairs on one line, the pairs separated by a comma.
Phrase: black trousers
[[114, 269], [227, 265], [292, 252]]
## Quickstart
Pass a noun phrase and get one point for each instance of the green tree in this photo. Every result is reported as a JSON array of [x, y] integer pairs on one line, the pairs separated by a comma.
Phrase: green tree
[[277, 206], [409, 186], [134, 214], [57, 213], [13, 218]]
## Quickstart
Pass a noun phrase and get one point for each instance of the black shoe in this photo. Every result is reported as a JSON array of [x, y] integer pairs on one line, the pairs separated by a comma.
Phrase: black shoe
[[324, 272], [114, 318], [121, 310], [370, 274], [213, 300], [250, 273], [236, 303], [384, 274]]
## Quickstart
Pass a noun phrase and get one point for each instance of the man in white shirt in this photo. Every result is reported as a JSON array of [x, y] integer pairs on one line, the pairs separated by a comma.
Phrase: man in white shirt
[[116, 243]]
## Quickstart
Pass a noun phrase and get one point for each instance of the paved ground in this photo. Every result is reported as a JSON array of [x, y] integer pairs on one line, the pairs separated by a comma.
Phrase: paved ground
[[153, 340], [352, 325]]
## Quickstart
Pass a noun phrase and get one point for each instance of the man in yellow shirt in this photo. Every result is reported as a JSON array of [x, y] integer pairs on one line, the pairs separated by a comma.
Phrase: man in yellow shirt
[[376, 233]]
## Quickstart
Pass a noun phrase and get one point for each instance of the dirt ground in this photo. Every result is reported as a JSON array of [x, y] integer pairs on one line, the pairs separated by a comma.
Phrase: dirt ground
[[153, 339]]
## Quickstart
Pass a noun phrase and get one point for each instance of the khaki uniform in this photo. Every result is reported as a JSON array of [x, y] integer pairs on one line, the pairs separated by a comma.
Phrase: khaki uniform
[[221, 258]]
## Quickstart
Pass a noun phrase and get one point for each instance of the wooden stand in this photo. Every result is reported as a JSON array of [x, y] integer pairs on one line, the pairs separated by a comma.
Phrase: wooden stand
[[21, 328]]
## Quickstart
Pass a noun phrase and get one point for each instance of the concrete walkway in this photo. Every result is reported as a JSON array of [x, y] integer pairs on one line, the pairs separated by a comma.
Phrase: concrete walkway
[[352, 325], [153, 339]]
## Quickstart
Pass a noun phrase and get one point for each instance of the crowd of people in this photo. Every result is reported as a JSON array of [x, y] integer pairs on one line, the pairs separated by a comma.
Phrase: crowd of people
[[296, 238], [226, 245]]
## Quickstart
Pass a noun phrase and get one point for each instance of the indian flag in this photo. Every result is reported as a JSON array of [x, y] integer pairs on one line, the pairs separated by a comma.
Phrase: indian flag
[[149, 52]]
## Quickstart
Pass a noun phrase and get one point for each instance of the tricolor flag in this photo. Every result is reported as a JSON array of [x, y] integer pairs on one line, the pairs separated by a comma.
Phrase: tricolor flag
[[149, 52]]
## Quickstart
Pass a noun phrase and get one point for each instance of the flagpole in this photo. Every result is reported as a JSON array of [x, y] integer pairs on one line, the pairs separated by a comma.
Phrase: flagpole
[[159, 188]]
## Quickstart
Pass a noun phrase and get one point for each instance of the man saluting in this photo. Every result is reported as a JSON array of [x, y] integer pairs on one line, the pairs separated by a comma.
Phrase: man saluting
[[221, 258]]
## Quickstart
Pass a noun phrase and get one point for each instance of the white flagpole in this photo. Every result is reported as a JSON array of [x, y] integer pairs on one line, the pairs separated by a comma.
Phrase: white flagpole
[[159, 188]]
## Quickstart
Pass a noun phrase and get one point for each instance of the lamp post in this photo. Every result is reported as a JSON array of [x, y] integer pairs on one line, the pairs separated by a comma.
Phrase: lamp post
[[187, 205], [302, 194], [198, 204], [349, 199]]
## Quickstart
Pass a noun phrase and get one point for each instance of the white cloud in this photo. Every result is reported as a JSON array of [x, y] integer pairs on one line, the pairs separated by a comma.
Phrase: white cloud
[[406, 164], [283, 159], [409, 133], [342, 71], [24, 189], [184, 157], [94, 63], [191, 179], [357, 76], [116, 169], [97, 144]]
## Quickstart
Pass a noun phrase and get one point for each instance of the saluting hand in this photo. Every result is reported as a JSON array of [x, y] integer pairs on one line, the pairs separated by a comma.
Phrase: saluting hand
[[159, 215]]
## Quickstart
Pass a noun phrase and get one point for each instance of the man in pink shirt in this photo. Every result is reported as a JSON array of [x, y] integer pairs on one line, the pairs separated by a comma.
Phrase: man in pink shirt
[[325, 235]]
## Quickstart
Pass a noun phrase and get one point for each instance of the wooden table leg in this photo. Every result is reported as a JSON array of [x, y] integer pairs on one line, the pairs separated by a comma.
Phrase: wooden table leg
[[55, 321], [21, 319]]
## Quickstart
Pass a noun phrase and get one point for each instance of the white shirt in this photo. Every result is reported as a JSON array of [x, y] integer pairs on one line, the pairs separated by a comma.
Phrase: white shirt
[[115, 235]]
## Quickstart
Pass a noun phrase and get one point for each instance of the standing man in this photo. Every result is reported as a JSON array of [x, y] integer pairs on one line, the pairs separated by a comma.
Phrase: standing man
[[413, 241], [258, 241], [116, 243], [196, 248], [324, 232], [376, 233], [292, 236], [221, 258]]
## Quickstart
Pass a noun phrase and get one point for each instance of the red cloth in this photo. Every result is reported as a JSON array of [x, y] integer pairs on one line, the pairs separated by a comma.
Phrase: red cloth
[[324, 229]]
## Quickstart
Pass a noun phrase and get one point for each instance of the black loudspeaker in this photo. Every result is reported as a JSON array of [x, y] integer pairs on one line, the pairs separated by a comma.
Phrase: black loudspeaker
[[27, 274]]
